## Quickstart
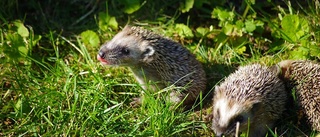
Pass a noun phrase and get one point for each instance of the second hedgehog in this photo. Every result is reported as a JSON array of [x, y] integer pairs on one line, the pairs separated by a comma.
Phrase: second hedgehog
[[156, 59], [252, 97], [303, 77]]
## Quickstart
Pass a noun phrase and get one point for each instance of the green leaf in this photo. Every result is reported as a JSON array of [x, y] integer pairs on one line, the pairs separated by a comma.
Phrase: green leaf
[[130, 6], [300, 53], [241, 50], [22, 30], [232, 30], [202, 32], [16, 47], [222, 15], [186, 6], [228, 29], [106, 21], [240, 24], [315, 50], [239, 28], [23, 50], [113, 23], [294, 28], [184, 31], [221, 38], [250, 26], [90, 38], [290, 22], [36, 39], [18, 105]]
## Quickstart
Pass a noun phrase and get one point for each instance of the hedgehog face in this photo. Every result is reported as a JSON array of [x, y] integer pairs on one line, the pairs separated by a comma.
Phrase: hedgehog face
[[125, 50], [228, 113]]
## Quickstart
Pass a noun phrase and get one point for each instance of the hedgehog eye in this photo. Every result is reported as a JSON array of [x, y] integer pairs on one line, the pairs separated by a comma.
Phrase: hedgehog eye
[[239, 118], [125, 51]]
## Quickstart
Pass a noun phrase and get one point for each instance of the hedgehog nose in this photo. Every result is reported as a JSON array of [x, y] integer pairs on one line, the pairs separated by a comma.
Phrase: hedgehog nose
[[101, 54], [220, 135]]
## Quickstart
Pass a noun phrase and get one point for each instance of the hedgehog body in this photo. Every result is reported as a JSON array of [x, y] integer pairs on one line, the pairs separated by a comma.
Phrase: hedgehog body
[[252, 97], [304, 78], [156, 59]]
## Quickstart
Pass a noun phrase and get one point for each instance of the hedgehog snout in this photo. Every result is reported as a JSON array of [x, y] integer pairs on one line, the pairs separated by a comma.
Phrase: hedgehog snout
[[220, 135], [220, 131]]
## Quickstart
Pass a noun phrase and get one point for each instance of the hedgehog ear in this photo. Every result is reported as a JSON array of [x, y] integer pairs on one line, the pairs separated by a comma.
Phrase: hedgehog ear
[[276, 69], [147, 54], [284, 66], [279, 70]]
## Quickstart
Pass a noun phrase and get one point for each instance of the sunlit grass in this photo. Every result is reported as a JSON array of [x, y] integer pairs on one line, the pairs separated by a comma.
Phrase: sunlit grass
[[60, 89]]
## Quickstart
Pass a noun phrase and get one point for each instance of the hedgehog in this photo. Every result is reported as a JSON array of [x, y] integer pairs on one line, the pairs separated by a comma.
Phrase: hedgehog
[[250, 99], [156, 59], [303, 77]]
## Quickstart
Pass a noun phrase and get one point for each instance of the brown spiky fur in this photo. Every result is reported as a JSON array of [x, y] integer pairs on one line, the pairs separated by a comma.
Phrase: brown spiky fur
[[303, 77], [253, 94], [154, 58]]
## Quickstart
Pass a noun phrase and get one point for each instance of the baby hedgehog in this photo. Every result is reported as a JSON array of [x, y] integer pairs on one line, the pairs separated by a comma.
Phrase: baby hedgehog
[[304, 78], [156, 59], [252, 97]]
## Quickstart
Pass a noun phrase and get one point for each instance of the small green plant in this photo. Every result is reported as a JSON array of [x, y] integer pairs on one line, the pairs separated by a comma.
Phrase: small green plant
[[90, 38], [18, 41], [130, 6], [106, 21], [295, 31], [235, 33], [186, 5]]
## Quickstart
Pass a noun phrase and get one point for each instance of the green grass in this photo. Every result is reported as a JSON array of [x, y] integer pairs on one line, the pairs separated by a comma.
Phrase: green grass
[[52, 85]]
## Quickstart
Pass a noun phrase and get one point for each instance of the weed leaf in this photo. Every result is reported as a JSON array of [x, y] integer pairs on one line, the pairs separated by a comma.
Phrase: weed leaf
[[106, 21], [202, 32], [241, 49], [300, 53], [314, 50], [22, 30], [184, 31], [294, 28], [186, 6], [90, 38], [250, 26], [16, 47], [223, 15], [130, 6]]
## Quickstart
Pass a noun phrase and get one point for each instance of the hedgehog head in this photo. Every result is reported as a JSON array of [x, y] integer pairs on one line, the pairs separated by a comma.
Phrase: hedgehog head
[[252, 97], [228, 113], [129, 47]]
